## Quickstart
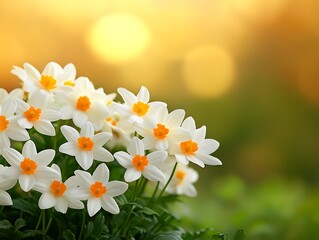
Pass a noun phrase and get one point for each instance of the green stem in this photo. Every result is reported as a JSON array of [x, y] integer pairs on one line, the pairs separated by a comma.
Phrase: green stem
[[83, 223], [43, 223], [137, 183], [155, 191], [143, 185], [39, 221], [48, 226], [170, 178]]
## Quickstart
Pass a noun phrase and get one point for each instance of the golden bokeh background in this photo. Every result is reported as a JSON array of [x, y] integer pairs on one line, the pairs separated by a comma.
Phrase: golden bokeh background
[[247, 69]]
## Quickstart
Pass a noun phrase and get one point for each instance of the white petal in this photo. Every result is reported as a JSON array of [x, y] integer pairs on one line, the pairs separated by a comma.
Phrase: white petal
[[47, 200], [5, 198], [93, 205], [39, 99], [44, 157], [196, 160], [152, 173], [87, 130], [123, 159], [181, 159], [85, 159], [72, 182], [175, 118], [45, 127], [189, 124], [79, 118], [149, 142], [67, 112], [208, 159], [29, 149], [45, 173], [80, 193], [74, 203], [24, 123], [70, 133], [4, 141], [190, 191], [109, 205], [136, 147], [51, 115], [143, 95], [116, 188], [69, 148], [128, 97], [32, 72], [101, 154], [161, 144], [85, 178], [101, 173], [157, 157], [101, 138], [51, 69], [7, 183], [27, 182], [132, 174], [17, 133], [12, 156], [61, 205], [178, 135], [11, 173], [8, 108], [200, 134], [208, 146]]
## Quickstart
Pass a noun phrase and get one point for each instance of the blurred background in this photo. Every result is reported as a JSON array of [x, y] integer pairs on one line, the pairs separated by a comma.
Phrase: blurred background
[[247, 69]]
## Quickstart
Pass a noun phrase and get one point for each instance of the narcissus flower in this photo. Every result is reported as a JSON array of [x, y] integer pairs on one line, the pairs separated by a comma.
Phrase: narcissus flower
[[138, 107], [58, 194], [29, 167], [14, 94], [98, 191], [85, 146], [9, 129], [163, 130], [138, 164], [5, 184], [196, 149], [36, 113]]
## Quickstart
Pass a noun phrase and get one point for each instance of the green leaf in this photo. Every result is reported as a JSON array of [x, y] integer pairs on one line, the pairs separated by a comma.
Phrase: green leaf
[[239, 235], [5, 224], [68, 235], [149, 211], [26, 206], [19, 223], [172, 235]]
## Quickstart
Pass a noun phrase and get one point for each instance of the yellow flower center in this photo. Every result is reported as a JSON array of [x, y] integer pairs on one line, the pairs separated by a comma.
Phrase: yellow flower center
[[57, 188], [3, 123], [180, 175], [69, 83], [85, 143], [97, 189], [83, 103], [112, 121], [189, 147], [140, 162], [48, 82], [28, 166], [161, 131], [32, 114], [140, 108]]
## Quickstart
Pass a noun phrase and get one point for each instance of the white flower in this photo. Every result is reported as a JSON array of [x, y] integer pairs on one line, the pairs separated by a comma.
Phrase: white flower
[[196, 149], [29, 167], [14, 94], [85, 146], [137, 164], [98, 191], [58, 194], [138, 107], [51, 80], [182, 181], [84, 103], [9, 129], [37, 114], [5, 184], [163, 130]]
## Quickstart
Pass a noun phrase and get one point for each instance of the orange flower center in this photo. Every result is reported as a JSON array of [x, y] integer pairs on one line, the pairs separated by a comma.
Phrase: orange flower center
[[140, 162], [57, 188], [48, 82], [140, 108], [83, 103], [85, 143], [97, 189], [180, 175], [28, 166], [69, 83], [189, 147], [3, 123], [112, 121], [161, 131], [32, 114]]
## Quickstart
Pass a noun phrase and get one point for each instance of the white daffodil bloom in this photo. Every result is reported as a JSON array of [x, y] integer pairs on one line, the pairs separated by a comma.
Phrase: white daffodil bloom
[[137, 164], [52, 79], [37, 114], [58, 194], [85, 146], [98, 191], [138, 107], [196, 149], [29, 167], [163, 130], [9, 129], [182, 181], [14, 94], [5, 184], [84, 103]]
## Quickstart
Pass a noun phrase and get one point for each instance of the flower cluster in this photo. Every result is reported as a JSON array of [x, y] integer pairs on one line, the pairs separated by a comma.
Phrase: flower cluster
[[57, 127]]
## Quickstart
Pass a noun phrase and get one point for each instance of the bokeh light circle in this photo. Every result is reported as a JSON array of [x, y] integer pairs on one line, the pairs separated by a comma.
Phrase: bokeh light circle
[[118, 38], [208, 71]]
